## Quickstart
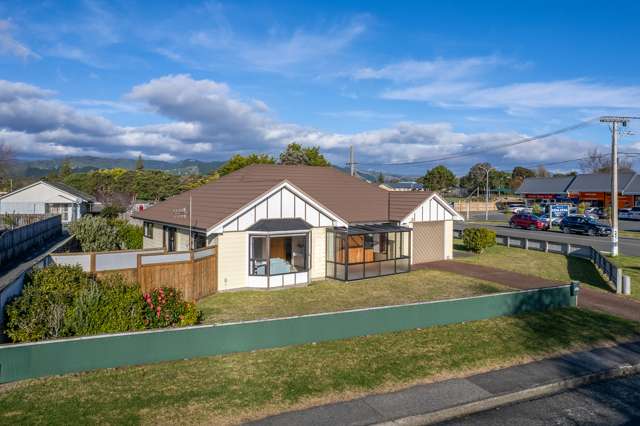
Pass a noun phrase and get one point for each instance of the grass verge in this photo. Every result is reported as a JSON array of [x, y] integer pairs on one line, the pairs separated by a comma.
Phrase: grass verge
[[551, 266], [630, 266], [231, 389], [329, 296]]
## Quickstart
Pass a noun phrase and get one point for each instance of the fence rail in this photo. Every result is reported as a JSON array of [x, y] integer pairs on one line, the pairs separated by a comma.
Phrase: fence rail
[[31, 360], [194, 273], [15, 242], [613, 273]]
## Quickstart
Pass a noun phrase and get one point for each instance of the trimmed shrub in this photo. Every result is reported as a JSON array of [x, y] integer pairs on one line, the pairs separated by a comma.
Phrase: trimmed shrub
[[164, 307], [536, 209], [95, 233], [60, 301], [478, 239], [582, 207]]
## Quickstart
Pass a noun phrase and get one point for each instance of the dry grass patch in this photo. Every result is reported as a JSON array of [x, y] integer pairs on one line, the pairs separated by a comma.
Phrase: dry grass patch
[[330, 295]]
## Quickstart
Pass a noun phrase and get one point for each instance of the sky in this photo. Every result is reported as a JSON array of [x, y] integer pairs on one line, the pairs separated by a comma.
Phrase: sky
[[400, 81]]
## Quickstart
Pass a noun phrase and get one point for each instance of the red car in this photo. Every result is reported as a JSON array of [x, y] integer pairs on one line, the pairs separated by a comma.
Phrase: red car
[[527, 221]]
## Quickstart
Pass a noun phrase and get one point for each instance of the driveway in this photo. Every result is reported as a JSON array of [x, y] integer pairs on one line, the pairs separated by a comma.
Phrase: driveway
[[598, 300], [628, 246]]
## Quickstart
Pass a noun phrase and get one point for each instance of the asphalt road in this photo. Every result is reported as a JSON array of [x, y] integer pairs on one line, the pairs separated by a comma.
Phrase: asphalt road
[[627, 246], [614, 402]]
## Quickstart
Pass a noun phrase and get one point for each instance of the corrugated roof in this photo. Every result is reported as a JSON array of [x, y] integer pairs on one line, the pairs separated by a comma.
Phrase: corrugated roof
[[278, 225], [545, 185], [346, 196], [633, 188], [598, 182]]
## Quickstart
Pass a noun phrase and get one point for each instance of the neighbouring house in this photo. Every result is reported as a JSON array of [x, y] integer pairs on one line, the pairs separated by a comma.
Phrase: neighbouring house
[[402, 186], [279, 225], [48, 198]]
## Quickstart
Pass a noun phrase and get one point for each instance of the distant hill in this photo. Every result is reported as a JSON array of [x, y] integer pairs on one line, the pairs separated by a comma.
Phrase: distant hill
[[39, 168]]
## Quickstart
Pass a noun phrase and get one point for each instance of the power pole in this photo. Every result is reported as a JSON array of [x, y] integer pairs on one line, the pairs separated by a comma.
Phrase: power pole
[[486, 195], [614, 120], [352, 161]]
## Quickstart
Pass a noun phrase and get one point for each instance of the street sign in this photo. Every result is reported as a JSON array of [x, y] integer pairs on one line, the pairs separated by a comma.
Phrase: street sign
[[557, 210]]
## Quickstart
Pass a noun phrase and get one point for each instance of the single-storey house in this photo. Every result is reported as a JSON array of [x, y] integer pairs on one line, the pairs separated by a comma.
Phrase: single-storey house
[[277, 225], [402, 186], [48, 198]]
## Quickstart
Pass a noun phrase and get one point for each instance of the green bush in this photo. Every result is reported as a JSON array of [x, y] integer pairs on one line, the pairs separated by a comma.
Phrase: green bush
[[478, 239], [61, 301], [111, 211], [164, 307], [95, 233], [582, 207], [536, 209], [43, 309], [130, 236]]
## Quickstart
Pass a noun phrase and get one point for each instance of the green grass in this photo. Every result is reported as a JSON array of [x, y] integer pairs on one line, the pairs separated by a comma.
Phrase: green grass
[[630, 266], [545, 265], [329, 295], [234, 388]]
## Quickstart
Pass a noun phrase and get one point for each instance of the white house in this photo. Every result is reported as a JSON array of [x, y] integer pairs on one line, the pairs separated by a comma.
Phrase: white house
[[47, 198], [283, 225]]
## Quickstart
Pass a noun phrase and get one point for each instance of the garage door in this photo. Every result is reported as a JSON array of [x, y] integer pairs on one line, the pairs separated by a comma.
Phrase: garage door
[[428, 241]]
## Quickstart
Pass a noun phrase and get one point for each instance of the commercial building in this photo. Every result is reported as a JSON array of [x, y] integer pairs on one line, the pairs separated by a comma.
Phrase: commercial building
[[593, 189]]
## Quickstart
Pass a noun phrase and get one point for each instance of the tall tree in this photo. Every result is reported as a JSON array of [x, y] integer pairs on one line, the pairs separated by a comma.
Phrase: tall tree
[[139, 163], [476, 177], [296, 154], [518, 175], [380, 178], [596, 162], [65, 169], [238, 161], [542, 171], [6, 163], [439, 178]]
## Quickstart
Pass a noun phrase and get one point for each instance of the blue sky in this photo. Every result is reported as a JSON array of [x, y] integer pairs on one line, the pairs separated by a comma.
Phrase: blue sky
[[400, 81]]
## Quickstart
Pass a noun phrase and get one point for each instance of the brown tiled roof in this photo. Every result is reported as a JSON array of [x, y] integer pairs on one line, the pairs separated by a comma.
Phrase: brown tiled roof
[[350, 198]]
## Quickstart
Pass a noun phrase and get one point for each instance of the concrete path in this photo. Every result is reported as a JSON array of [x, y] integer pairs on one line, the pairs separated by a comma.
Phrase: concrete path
[[589, 298], [430, 398]]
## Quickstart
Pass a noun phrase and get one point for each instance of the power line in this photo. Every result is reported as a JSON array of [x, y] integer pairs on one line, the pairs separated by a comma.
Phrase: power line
[[494, 147]]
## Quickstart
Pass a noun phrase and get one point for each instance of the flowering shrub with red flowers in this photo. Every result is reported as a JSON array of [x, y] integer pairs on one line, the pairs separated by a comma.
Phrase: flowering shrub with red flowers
[[164, 307]]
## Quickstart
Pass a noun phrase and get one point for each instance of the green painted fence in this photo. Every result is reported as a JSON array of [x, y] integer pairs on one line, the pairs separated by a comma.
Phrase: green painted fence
[[30, 360]]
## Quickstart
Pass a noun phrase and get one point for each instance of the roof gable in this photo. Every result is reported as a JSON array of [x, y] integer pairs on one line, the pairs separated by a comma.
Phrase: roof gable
[[68, 193]]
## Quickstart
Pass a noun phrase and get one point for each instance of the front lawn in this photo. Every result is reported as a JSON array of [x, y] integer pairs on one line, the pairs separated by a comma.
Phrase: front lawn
[[330, 296], [630, 266], [545, 265], [234, 388]]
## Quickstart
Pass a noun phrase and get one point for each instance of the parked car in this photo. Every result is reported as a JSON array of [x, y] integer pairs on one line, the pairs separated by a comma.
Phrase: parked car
[[555, 221], [635, 213], [527, 221], [596, 211], [515, 207], [584, 225], [624, 214]]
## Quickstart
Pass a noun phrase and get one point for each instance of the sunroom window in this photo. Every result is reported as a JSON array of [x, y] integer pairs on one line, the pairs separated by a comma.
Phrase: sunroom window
[[276, 255]]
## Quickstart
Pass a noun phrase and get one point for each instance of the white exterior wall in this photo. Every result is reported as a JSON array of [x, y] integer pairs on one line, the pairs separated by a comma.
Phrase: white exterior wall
[[233, 260], [156, 241], [318, 253], [182, 239], [448, 239], [33, 200], [281, 204]]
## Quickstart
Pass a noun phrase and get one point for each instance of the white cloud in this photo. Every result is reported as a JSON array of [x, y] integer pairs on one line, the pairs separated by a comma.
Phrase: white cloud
[[437, 69], [554, 94], [209, 121], [10, 46]]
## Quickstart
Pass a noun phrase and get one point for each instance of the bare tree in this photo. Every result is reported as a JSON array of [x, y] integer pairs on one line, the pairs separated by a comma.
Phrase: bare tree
[[542, 171], [596, 162]]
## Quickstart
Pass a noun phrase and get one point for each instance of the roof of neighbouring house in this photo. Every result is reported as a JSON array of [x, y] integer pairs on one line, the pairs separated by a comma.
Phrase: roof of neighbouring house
[[280, 225], [405, 185], [348, 197], [598, 182], [61, 186], [545, 185], [633, 187]]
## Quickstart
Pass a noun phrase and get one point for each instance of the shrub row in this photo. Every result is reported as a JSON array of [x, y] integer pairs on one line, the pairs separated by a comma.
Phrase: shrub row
[[62, 301], [96, 233]]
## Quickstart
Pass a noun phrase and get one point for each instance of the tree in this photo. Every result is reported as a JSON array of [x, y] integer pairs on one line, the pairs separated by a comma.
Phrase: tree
[[518, 175], [95, 233], [238, 161], [476, 177], [65, 169], [499, 180], [380, 178], [596, 162], [6, 162], [295, 154], [139, 163], [439, 178], [541, 171]]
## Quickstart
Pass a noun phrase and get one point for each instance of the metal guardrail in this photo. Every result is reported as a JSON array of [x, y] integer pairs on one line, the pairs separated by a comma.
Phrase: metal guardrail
[[613, 273]]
